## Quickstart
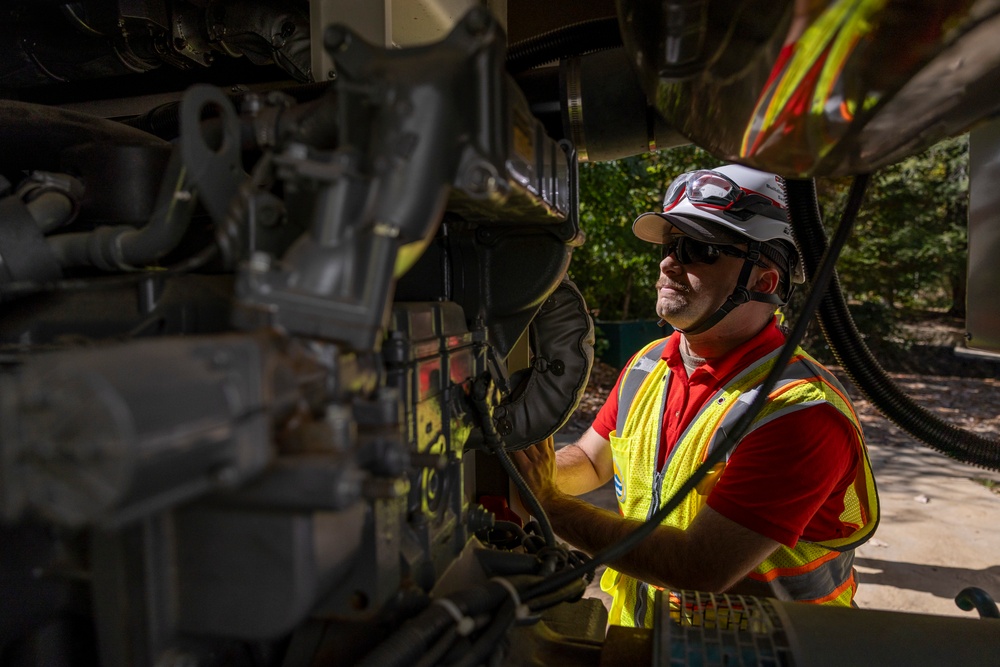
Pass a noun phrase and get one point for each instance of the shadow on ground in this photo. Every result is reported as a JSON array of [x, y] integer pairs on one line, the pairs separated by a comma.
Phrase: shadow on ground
[[938, 580]]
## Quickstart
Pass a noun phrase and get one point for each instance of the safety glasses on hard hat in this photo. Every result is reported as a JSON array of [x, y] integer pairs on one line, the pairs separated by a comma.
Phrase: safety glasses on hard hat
[[713, 190], [691, 251]]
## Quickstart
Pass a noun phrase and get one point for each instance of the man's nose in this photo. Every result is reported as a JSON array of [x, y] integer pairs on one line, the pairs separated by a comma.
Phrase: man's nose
[[670, 263]]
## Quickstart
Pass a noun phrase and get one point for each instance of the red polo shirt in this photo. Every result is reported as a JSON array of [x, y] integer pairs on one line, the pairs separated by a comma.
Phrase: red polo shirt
[[784, 479]]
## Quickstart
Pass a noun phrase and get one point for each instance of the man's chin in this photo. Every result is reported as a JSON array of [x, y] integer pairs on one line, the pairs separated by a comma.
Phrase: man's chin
[[668, 308], [678, 318]]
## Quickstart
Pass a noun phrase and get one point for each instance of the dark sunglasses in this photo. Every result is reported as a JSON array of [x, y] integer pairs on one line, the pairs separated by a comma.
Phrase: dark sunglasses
[[691, 251]]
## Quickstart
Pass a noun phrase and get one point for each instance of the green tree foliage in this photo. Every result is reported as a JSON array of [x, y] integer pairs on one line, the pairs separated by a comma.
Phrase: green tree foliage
[[909, 247]]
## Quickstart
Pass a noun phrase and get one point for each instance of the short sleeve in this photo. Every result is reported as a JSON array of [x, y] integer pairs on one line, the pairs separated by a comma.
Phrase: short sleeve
[[607, 416], [786, 479]]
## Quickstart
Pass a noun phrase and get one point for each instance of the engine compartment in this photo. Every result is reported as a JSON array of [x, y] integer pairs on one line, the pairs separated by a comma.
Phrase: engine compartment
[[248, 355]]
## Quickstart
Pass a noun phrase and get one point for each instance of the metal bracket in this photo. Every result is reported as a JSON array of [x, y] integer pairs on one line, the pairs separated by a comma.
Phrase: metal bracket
[[213, 168]]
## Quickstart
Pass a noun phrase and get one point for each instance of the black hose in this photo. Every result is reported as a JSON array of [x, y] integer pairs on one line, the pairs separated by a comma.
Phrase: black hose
[[527, 495], [823, 275], [438, 650], [162, 121], [976, 598], [572, 40], [862, 367], [405, 645], [511, 527], [35, 136], [495, 443], [408, 643], [490, 637], [570, 592], [20, 289], [126, 248]]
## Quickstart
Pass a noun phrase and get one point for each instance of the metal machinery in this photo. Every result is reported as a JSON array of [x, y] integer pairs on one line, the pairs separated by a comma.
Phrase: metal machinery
[[281, 282]]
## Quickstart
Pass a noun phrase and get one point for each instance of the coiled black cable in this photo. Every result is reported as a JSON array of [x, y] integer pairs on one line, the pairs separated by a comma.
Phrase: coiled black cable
[[864, 370]]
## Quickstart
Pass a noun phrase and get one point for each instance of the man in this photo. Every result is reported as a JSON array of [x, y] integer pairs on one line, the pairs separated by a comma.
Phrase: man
[[782, 515]]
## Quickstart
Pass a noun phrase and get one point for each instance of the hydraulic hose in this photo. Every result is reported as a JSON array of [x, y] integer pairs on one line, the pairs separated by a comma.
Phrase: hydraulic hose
[[976, 598], [486, 643], [495, 443], [573, 40], [51, 210], [822, 277], [13, 291], [125, 248], [405, 646], [440, 648], [862, 367], [570, 592], [35, 136]]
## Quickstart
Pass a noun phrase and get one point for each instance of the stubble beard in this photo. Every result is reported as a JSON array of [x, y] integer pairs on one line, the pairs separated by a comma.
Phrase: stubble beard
[[670, 305]]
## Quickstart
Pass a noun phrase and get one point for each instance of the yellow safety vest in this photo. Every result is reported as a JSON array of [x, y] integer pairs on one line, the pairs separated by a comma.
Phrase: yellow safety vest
[[819, 572]]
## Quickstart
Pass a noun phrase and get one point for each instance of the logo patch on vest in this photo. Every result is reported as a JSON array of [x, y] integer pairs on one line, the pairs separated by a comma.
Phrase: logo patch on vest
[[619, 483]]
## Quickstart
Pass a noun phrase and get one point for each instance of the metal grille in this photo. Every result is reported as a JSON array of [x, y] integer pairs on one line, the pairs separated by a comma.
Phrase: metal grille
[[695, 629]]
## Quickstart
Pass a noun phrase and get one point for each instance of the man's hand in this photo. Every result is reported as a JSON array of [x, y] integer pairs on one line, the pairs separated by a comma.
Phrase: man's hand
[[537, 465]]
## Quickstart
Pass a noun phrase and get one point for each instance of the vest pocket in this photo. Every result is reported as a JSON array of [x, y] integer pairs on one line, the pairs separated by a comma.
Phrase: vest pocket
[[611, 580], [621, 448]]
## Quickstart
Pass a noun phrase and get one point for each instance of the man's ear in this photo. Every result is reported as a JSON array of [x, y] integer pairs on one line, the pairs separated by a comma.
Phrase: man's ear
[[768, 281]]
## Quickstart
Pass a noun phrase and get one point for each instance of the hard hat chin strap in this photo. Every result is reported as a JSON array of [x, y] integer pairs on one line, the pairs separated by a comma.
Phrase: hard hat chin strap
[[740, 295]]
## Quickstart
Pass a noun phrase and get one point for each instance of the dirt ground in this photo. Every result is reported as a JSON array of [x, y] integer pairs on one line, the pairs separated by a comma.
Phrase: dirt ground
[[940, 526], [940, 519]]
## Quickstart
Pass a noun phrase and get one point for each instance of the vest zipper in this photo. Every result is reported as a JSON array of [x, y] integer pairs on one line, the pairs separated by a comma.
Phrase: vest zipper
[[642, 588], [654, 500]]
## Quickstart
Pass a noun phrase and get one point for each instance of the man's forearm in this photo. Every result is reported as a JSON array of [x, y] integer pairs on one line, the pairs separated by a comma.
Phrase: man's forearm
[[712, 554], [575, 472], [656, 559]]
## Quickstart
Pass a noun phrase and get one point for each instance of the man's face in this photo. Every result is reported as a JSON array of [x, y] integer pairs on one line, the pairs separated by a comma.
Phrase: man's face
[[687, 293]]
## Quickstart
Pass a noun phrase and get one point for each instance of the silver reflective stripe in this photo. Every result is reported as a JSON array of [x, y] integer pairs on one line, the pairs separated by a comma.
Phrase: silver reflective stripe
[[792, 373], [817, 583], [645, 364], [791, 408], [798, 370], [641, 601], [736, 412], [633, 379], [718, 396]]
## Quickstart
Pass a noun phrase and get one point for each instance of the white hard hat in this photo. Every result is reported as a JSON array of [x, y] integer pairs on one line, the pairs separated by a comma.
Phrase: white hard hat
[[728, 205]]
